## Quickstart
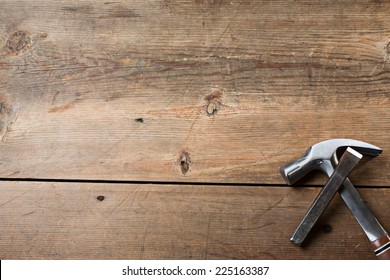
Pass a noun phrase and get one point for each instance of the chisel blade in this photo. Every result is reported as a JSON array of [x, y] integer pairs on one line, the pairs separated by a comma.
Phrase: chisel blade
[[348, 161]]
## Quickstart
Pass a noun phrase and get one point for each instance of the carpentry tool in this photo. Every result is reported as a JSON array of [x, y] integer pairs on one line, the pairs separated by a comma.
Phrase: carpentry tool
[[348, 161], [322, 156]]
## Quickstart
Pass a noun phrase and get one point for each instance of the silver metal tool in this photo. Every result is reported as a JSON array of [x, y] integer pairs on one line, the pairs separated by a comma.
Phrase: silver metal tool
[[348, 161], [322, 156]]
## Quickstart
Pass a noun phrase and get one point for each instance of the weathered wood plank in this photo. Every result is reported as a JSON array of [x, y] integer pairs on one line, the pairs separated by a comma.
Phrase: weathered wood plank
[[117, 221], [202, 91]]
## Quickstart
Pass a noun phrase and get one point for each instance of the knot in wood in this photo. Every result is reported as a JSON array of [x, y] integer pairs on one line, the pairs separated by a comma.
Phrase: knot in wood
[[212, 108], [387, 48], [184, 162], [213, 102], [5, 117], [18, 41]]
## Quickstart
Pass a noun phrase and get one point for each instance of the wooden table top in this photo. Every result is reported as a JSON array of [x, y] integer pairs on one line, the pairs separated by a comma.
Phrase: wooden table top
[[156, 129]]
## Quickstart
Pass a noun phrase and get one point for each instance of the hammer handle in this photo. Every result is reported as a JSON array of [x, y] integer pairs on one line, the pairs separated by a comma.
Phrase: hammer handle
[[382, 247]]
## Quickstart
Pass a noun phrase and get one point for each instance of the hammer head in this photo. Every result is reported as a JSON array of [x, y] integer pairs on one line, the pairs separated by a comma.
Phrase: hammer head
[[319, 157]]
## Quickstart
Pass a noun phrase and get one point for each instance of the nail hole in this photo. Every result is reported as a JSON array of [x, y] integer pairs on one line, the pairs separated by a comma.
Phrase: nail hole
[[327, 228], [100, 198], [139, 120]]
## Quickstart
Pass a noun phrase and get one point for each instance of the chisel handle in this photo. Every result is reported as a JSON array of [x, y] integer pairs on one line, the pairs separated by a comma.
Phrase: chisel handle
[[382, 247]]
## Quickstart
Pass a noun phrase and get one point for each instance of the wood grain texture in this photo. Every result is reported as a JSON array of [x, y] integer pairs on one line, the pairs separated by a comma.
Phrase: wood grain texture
[[118, 221], [189, 91]]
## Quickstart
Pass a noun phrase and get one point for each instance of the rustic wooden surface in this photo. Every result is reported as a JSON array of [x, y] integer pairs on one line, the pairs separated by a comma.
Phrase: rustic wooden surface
[[129, 90], [194, 91], [128, 221]]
